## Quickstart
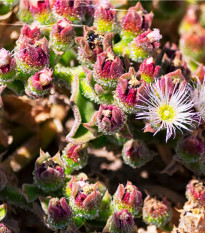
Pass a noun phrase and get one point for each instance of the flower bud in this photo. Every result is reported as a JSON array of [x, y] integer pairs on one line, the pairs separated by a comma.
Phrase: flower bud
[[128, 91], [85, 199], [91, 44], [62, 35], [107, 69], [29, 33], [39, 84], [24, 13], [59, 213], [4, 229], [128, 197], [135, 153], [156, 212], [7, 66], [110, 119], [148, 70], [120, 222], [144, 45], [49, 174], [195, 191], [192, 44], [200, 73], [105, 18], [192, 218], [172, 59], [74, 157], [190, 148], [40, 10], [135, 21], [72, 10], [32, 56], [190, 19]]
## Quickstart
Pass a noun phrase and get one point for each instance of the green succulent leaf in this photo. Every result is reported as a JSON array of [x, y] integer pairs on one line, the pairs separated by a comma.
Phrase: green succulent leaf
[[3, 210]]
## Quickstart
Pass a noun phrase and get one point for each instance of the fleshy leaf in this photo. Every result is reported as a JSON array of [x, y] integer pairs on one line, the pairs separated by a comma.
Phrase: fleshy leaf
[[32, 192], [83, 111]]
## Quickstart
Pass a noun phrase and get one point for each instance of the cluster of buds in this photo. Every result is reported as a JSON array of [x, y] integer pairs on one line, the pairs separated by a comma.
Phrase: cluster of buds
[[49, 173], [4, 228], [157, 212], [129, 198], [135, 153], [84, 198], [74, 157], [105, 18]]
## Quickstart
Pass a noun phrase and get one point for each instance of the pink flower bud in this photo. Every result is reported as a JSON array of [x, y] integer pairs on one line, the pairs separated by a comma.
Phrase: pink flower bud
[[156, 212], [128, 197], [129, 89], [49, 174], [148, 70], [32, 34], [136, 20], [85, 199], [107, 69], [32, 56], [40, 83], [71, 9], [39, 6], [62, 35], [110, 119], [144, 45], [7, 63], [195, 191], [121, 221], [4, 228], [59, 213]]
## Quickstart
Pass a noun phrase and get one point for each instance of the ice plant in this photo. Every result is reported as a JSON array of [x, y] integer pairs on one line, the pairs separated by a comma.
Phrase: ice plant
[[167, 110], [107, 68], [120, 222], [39, 84], [105, 17], [24, 13], [62, 35], [49, 174], [7, 66], [128, 91], [59, 213], [110, 119], [135, 153], [157, 212], [74, 157], [128, 197]]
